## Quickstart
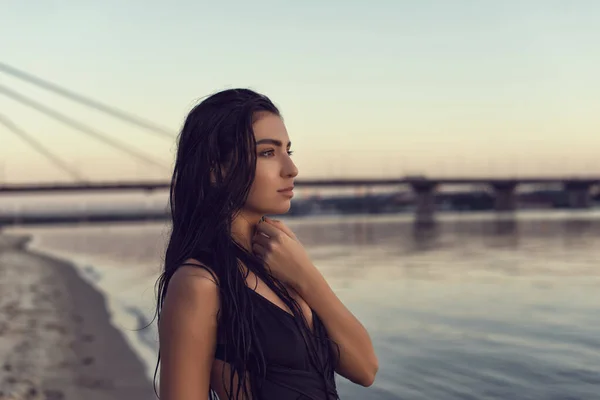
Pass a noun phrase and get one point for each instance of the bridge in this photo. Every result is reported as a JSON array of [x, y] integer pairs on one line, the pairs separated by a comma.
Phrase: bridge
[[579, 189]]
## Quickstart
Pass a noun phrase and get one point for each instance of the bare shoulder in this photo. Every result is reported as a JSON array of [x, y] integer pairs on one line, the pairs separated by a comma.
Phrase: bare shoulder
[[193, 283], [192, 294], [194, 269]]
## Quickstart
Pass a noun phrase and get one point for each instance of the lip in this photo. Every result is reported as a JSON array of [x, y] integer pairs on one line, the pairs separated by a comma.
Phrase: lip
[[288, 192]]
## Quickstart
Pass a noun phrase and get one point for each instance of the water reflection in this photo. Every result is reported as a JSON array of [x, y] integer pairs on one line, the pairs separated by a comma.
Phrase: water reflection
[[425, 236], [501, 231], [578, 227]]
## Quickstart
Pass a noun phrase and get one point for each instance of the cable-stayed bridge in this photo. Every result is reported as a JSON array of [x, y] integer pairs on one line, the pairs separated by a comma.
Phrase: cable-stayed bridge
[[578, 190]]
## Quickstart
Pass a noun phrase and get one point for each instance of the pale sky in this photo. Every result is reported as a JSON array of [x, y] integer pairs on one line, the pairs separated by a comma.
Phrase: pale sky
[[367, 88]]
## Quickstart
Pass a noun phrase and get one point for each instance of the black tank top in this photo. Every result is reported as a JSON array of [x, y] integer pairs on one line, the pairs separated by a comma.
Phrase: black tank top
[[290, 375]]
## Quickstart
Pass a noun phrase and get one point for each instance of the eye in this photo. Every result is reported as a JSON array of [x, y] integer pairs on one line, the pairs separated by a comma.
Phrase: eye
[[267, 153], [270, 153]]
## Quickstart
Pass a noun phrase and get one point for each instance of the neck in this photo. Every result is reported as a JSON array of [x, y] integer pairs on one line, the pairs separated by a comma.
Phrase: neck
[[243, 227]]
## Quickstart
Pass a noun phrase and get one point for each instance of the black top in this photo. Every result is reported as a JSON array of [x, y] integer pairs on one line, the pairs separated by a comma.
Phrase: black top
[[290, 375]]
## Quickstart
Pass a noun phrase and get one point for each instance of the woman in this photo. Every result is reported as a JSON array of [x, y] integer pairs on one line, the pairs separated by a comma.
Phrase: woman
[[239, 299]]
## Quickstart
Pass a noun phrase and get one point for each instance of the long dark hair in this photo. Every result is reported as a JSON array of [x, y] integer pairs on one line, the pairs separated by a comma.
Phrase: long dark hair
[[217, 137]]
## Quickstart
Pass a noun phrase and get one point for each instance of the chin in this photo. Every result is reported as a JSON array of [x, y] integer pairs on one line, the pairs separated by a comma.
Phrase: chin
[[281, 208]]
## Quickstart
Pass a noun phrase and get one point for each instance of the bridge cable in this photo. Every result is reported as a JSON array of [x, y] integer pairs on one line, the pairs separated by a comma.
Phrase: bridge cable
[[79, 126], [115, 112], [41, 149]]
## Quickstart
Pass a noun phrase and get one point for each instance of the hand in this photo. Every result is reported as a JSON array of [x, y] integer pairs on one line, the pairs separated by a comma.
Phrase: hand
[[281, 251]]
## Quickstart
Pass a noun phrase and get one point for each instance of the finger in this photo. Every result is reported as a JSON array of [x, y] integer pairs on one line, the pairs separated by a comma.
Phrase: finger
[[268, 229], [258, 250], [261, 240], [281, 226]]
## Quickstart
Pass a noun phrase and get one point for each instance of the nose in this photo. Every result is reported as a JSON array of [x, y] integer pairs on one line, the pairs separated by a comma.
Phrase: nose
[[289, 169]]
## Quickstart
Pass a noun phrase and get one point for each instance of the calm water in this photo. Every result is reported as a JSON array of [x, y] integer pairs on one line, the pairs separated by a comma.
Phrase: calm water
[[474, 308]]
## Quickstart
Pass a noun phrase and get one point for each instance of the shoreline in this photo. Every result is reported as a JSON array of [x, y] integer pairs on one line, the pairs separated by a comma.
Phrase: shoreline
[[56, 338]]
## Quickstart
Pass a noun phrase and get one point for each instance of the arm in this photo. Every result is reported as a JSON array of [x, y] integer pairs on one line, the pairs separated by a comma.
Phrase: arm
[[187, 331], [358, 361]]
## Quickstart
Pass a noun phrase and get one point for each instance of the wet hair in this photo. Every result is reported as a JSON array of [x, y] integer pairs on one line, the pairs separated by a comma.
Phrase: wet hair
[[217, 137]]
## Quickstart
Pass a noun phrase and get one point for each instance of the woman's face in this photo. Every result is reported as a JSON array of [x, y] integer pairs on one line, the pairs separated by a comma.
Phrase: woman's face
[[275, 170]]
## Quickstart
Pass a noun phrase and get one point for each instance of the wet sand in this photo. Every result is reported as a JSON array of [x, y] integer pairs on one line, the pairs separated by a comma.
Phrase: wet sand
[[56, 340]]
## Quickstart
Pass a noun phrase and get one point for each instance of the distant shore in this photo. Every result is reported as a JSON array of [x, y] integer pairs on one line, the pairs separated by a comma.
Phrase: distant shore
[[56, 339]]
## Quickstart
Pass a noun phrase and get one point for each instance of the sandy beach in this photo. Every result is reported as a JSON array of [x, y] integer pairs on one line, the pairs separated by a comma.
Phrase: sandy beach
[[56, 340]]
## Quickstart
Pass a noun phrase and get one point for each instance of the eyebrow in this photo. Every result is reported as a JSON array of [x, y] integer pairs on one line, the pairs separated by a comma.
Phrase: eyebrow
[[272, 141]]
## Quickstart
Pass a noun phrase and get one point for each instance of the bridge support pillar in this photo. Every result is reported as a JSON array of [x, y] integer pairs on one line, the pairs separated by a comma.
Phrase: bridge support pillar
[[578, 194], [506, 197], [425, 201]]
